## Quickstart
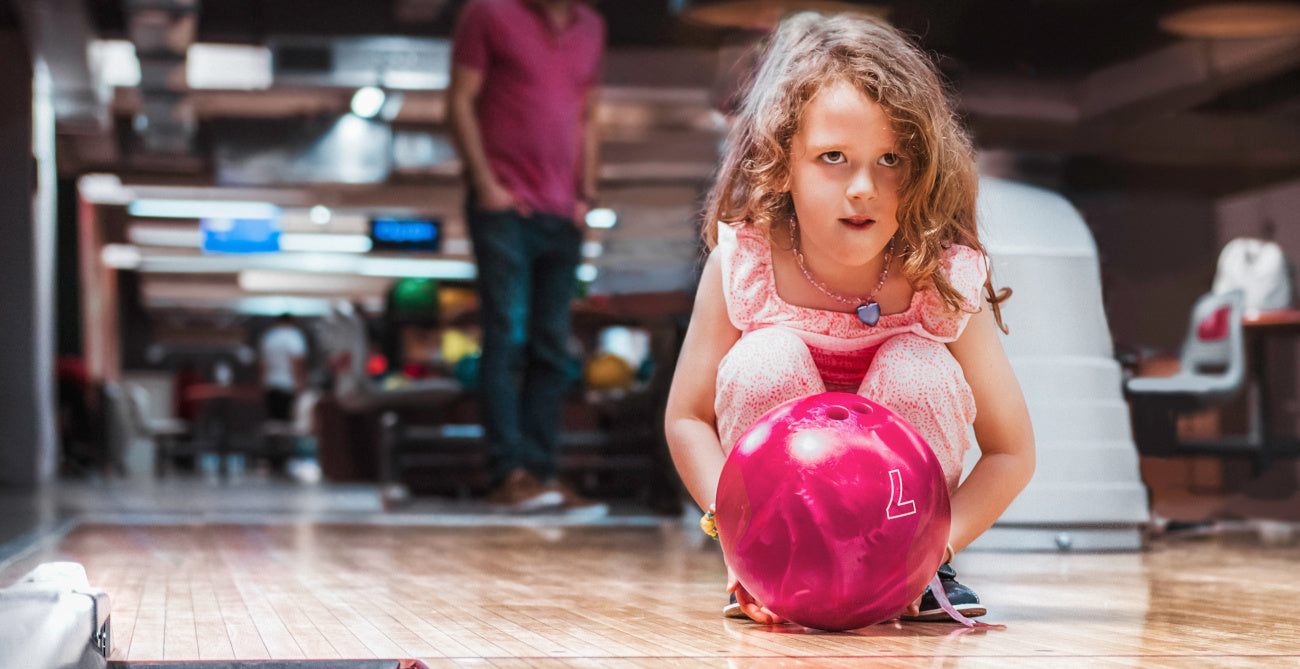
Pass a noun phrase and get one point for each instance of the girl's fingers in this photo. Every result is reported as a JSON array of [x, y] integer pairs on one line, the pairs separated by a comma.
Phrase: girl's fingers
[[756, 611], [764, 615]]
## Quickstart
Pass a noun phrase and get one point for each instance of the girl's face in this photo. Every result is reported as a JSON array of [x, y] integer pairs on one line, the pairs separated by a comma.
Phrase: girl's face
[[844, 178]]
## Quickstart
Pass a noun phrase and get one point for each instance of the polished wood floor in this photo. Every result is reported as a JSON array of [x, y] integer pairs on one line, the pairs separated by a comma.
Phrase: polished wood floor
[[648, 597]]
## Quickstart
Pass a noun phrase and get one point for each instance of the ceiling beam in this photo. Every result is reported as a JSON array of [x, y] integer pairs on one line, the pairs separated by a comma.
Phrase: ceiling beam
[[1183, 75], [162, 32]]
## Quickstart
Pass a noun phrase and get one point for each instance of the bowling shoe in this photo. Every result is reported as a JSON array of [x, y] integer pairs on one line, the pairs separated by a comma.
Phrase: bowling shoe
[[522, 493], [732, 610], [574, 505], [962, 598]]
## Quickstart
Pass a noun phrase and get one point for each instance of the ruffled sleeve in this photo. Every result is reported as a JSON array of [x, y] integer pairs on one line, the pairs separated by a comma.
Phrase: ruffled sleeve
[[966, 270], [744, 273]]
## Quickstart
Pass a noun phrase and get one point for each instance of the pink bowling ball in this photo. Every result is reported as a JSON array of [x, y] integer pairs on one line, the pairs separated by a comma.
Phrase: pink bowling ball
[[833, 512]]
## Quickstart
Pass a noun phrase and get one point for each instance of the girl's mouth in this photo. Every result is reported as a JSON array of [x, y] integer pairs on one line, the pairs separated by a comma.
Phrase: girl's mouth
[[857, 221]]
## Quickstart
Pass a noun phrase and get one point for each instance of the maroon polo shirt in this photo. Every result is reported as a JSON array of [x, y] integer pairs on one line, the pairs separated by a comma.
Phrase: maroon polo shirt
[[530, 109]]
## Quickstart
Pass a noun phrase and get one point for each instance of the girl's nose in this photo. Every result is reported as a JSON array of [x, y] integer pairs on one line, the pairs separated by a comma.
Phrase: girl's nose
[[862, 186]]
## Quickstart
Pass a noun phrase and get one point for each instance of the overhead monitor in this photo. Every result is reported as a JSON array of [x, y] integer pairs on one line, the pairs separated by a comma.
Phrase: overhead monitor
[[240, 235], [406, 234]]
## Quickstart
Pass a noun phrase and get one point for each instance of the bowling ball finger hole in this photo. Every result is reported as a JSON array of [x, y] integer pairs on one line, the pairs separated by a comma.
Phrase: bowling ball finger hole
[[837, 413], [861, 408]]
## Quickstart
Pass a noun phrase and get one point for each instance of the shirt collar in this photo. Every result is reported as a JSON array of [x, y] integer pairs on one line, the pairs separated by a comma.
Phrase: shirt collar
[[539, 7]]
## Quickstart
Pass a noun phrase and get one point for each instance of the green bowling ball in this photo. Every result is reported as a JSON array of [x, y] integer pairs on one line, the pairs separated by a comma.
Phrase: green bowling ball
[[414, 299]]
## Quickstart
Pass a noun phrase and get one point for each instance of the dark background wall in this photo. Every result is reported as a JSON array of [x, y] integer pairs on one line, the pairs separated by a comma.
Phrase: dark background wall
[[1158, 251], [19, 364]]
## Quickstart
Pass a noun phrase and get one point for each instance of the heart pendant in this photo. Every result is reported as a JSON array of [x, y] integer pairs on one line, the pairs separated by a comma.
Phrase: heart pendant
[[869, 313]]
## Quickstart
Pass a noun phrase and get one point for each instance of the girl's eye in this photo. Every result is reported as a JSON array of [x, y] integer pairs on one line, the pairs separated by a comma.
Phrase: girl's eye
[[890, 160], [833, 157]]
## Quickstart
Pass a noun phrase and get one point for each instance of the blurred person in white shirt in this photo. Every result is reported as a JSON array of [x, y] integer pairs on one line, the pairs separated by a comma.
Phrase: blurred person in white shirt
[[284, 367]]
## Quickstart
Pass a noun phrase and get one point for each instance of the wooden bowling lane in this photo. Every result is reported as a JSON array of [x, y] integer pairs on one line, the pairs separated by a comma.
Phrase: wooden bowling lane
[[648, 597]]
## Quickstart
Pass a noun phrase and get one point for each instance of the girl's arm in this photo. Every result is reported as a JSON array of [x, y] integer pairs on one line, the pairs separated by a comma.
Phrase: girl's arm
[[1002, 428], [689, 422]]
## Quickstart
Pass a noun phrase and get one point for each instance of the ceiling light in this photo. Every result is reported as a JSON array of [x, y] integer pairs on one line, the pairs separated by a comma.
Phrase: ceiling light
[[164, 235], [601, 218], [202, 209], [114, 63], [104, 189], [320, 214], [280, 304], [228, 67], [288, 283], [592, 249], [218, 263], [324, 263], [121, 256], [587, 273], [367, 101], [327, 243], [1227, 20], [418, 268], [763, 14]]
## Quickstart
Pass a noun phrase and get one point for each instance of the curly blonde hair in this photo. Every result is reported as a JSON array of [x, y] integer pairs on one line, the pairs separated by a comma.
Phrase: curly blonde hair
[[936, 199]]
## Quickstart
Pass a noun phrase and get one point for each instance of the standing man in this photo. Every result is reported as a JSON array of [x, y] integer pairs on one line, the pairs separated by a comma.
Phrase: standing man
[[522, 101], [283, 352]]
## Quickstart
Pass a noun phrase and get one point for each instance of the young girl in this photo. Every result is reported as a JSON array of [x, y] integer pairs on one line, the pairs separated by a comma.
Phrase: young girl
[[845, 257]]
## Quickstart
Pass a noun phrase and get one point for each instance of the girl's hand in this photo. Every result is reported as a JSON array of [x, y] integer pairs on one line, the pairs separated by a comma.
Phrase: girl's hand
[[752, 607], [913, 609]]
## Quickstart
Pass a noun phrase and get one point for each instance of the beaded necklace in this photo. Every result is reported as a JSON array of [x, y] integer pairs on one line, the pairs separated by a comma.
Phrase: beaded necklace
[[867, 309]]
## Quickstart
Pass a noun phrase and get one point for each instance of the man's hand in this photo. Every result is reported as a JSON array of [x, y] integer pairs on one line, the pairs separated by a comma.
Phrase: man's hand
[[495, 197], [580, 210]]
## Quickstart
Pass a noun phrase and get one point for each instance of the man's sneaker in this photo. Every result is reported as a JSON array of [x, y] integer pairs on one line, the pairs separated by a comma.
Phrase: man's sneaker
[[574, 505], [962, 598], [733, 609], [522, 493]]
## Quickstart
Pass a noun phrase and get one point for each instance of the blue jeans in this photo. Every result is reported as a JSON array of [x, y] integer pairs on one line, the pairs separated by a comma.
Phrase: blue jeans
[[526, 282]]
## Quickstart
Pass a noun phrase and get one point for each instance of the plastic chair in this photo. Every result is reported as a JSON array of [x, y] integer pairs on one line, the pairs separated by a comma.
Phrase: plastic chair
[[1213, 372], [131, 413]]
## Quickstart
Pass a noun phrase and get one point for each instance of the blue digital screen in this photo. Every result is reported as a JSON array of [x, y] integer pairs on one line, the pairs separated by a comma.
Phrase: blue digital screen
[[240, 235], [406, 234]]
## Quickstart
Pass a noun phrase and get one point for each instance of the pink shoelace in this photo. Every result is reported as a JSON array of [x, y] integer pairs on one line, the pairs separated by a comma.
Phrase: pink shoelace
[[942, 597]]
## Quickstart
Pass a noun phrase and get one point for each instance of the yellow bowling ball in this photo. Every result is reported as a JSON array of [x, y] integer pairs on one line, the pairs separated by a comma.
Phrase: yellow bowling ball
[[607, 371], [456, 345]]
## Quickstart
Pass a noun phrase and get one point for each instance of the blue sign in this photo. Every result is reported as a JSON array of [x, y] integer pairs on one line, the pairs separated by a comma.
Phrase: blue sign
[[240, 235], [406, 234]]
